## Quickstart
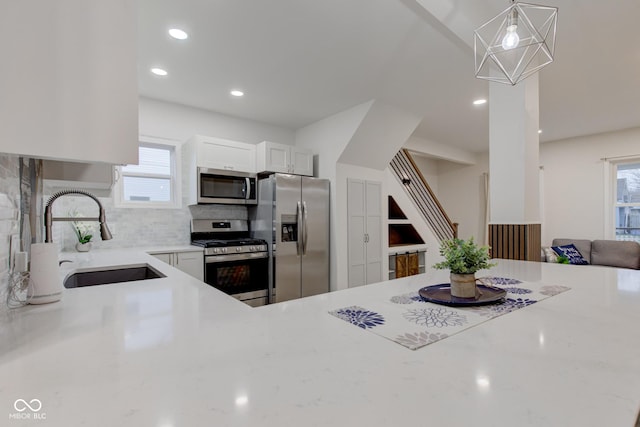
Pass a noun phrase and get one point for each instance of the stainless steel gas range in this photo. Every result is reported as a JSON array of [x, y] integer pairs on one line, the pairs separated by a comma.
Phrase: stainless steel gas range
[[234, 262]]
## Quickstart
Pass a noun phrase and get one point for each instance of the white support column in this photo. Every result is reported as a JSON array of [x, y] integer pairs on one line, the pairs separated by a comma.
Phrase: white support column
[[514, 152], [514, 180]]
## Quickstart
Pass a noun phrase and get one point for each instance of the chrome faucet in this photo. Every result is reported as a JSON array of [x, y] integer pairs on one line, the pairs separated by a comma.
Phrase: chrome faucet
[[105, 234]]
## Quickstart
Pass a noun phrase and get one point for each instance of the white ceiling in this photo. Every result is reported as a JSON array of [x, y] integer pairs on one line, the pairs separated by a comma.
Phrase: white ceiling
[[300, 61]]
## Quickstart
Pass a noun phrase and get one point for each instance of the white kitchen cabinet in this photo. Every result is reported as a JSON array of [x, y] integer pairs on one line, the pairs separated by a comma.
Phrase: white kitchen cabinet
[[77, 175], [190, 262], [69, 80], [215, 153], [274, 157], [364, 210]]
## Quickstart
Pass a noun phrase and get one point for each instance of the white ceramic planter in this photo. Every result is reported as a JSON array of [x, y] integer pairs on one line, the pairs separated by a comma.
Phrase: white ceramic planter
[[83, 247]]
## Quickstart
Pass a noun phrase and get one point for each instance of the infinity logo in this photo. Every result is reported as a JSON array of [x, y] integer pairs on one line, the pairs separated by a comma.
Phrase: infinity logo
[[21, 405]]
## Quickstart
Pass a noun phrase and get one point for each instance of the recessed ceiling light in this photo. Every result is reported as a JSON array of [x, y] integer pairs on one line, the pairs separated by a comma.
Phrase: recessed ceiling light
[[479, 101], [237, 92], [539, 130], [179, 34], [159, 71]]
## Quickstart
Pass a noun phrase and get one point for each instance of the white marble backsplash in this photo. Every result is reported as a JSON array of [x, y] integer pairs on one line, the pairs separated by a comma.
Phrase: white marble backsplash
[[9, 210], [133, 227]]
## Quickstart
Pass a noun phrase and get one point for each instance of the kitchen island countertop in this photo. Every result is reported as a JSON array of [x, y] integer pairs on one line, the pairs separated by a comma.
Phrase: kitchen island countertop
[[176, 352]]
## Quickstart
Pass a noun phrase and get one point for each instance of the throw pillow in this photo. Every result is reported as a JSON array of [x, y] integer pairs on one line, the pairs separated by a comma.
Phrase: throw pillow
[[570, 251], [550, 254]]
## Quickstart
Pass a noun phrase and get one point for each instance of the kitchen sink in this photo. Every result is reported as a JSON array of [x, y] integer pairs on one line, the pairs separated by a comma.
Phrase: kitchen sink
[[127, 273]]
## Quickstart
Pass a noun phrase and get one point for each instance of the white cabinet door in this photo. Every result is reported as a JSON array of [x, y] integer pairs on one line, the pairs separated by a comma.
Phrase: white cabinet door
[[356, 232], [274, 157], [69, 80], [166, 258], [364, 210], [374, 231], [78, 175], [191, 263], [302, 161], [222, 154]]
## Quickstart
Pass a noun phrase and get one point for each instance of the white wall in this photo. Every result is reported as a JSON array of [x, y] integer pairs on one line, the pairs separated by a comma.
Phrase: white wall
[[461, 193], [429, 169], [380, 135], [178, 122], [440, 151], [574, 182]]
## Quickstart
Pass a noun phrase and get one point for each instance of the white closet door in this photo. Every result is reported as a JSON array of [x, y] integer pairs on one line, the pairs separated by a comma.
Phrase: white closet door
[[356, 229], [364, 210], [374, 231]]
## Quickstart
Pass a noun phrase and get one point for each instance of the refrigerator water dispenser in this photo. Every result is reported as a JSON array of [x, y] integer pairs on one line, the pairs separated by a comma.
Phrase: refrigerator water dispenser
[[289, 228]]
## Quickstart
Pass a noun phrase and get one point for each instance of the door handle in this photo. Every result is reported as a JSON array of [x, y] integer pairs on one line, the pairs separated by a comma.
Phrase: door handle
[[299, 225], [304, 236], [247, 188]]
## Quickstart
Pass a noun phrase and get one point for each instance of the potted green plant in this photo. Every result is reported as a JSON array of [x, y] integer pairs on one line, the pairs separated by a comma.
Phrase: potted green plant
[[83, 232], [463, 258], [84, 239]]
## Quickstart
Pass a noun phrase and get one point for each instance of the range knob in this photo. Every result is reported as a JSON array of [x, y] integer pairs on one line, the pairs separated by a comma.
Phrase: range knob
[[216, 250], [238, 249], [224, 250]]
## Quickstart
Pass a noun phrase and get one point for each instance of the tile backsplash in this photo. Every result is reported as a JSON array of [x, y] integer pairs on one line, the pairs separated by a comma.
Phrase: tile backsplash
[[133, 227], [129, 227], [9, 214]]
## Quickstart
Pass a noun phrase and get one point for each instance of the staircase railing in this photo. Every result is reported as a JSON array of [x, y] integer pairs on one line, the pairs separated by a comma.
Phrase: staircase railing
[[425, 200]]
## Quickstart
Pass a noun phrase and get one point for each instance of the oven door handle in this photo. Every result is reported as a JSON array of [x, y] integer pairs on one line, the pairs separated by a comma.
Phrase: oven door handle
[[299, 225], [235, 257]]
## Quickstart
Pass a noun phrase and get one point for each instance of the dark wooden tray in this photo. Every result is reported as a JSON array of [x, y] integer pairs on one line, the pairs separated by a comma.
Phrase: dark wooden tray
[[441, 294]]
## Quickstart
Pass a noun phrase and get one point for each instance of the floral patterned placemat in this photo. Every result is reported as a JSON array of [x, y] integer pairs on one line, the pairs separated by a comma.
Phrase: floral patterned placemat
[[411, 321]]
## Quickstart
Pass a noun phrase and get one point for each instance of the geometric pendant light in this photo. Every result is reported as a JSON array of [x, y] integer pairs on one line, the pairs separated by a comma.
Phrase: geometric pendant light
[[516, 43]]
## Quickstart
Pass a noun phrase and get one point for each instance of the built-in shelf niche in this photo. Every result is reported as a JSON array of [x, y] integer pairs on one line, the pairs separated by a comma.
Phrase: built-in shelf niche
[[394, 210], [401, 232], [403, 235]]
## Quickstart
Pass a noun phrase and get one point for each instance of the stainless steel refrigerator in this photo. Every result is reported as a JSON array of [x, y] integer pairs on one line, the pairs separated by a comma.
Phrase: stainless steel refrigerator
[[293, 217]]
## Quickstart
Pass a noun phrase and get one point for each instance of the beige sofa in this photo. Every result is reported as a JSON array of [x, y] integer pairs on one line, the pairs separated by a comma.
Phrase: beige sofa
[[612, 253]]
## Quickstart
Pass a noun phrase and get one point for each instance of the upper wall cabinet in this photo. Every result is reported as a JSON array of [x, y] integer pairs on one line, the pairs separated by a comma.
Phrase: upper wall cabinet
[[68, 82], [274, 157], [216, 153], [77, 175]]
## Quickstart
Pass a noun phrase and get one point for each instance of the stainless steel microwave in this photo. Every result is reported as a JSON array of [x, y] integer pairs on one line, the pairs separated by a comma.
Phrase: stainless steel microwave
[[227, 187]]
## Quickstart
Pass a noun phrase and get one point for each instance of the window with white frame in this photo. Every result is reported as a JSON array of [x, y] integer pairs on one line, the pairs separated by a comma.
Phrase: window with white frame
[[154, 181], [627, 200]]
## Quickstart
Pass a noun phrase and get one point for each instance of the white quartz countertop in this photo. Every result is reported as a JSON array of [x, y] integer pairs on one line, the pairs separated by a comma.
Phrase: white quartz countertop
[[176, 352]]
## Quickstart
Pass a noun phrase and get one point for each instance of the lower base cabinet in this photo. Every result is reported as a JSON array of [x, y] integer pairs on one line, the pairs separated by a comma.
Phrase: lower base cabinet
[[191, 262]]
